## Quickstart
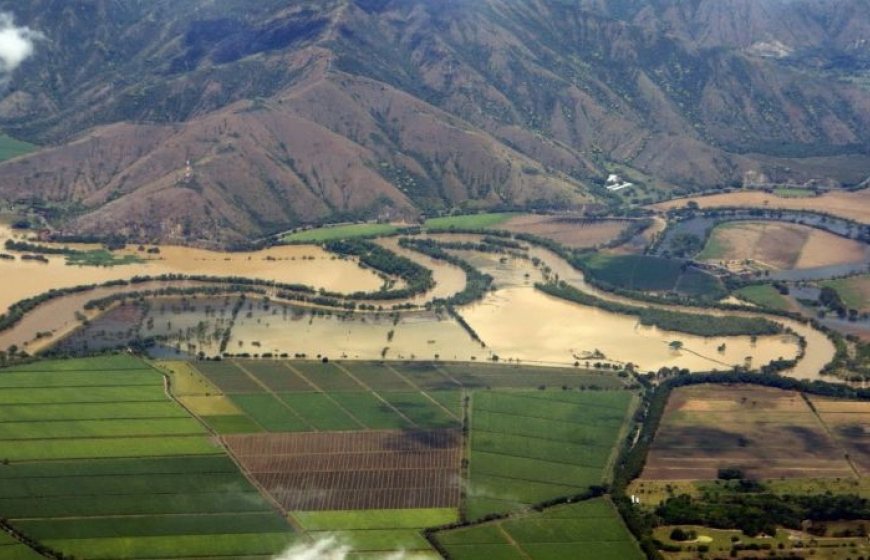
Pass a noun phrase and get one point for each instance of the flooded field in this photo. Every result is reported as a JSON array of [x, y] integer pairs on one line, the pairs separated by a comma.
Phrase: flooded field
[[299, 264], [515, 321], [519, 322], [449, 279], [412, 335]]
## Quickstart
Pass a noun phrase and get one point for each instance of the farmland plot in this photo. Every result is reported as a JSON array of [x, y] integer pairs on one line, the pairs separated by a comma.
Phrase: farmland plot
[[589, 530], [766, 433], [355, 470], [531, 447], [99, 463]]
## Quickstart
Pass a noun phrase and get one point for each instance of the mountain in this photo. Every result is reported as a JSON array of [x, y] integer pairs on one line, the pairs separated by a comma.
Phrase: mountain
[[217, 121]]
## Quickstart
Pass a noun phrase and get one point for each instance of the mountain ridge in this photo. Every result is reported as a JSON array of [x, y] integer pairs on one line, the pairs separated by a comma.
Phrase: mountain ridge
[[296, 113]]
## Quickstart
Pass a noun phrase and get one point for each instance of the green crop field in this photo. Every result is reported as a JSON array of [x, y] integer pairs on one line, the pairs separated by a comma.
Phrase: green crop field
[[12, 148], [764, 295], [649, 273], [280, 396], [513, 434], [788, 192], [468, 221], [348, 231], [100, 463], [585, 530], [854, 291]]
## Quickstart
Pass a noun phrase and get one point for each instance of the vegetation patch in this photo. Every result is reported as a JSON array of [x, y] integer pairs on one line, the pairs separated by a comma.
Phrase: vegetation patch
[[764, 295], [587, 530], [647, 273], [532, 447], [468, 221], [346, 231], [107, 467], [12, 148]]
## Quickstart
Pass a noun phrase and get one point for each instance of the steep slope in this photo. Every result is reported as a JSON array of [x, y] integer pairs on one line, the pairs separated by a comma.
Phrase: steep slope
[[294, 112]]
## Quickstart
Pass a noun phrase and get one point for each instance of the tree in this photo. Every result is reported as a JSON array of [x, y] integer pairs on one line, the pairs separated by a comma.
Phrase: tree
[[676, 345]]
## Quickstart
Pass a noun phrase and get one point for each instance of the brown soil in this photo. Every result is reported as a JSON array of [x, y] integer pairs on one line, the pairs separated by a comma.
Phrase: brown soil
[[767, 433], [354, 470], [573, 231]]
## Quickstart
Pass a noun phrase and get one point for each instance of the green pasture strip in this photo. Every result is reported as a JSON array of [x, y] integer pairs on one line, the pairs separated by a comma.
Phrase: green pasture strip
[[99, 428], [468, 221], [232, 424], [426, 375], [375, 519], [47, 379], [421, 410], [270, 413], [120, 485], [371, 411], [228, 377], [320, 411], [152, 525], [480, 534], [347, 231], [55, 395], [13, 148], [487, 551], [525, 468], [327, 376], [553, 430], [558, 451], [451, 400], [479, 375], [100, 363], [379, 377], [790, 192], [175, 546], [160, 446], [114, 467], [278, 377], [385, 540], [18, 551], [91, 411], [134, 504], [850, 291], [764, 295]]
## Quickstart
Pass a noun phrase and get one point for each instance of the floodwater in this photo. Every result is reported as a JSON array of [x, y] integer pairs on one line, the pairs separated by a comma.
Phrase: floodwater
[[60, 316], [819, 351], [521, 323], [416, 335], [296, 264], [449, 279], [516, 321]]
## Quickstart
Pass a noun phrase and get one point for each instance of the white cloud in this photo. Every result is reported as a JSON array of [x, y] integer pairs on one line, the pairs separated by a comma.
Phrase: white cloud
[[16, 43], [330, 548]]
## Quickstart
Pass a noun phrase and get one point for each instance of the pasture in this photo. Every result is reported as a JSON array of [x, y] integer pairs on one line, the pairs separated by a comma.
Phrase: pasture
[[778, 246], [587, 530], [765, 433], [764, 295], [12, 148], [468, 221], [854, 291], [346, 231], [528, 447], [100, 463]]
